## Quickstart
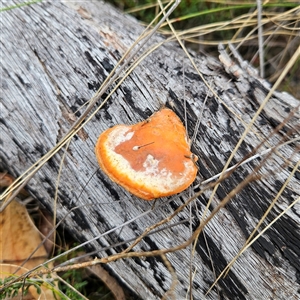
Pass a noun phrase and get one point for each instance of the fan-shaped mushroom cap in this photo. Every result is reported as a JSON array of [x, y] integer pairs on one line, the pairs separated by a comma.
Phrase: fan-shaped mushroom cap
[[150, 159]]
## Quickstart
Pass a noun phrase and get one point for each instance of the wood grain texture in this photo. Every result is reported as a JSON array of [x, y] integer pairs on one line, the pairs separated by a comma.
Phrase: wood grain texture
[[54, 58]]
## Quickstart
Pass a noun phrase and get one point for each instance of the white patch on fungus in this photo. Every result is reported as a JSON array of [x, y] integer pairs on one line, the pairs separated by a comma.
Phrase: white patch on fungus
[[151, 165], [119, 136]]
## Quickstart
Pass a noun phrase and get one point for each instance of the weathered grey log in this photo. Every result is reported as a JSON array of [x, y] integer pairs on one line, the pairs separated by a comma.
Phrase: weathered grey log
[[54, 57]]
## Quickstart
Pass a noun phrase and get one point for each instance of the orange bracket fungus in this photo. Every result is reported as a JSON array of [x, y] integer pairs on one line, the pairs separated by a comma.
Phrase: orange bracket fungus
[[150, 159]]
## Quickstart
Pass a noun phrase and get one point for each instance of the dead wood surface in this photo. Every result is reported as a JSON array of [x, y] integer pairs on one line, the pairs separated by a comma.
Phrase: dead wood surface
[[54, 57]]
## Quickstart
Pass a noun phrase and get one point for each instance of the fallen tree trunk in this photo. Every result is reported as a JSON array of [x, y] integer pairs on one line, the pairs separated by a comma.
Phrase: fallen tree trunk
[[54, 58]]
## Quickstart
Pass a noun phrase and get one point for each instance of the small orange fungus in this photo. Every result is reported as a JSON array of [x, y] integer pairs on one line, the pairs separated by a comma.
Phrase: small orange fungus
[[150, 159]]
